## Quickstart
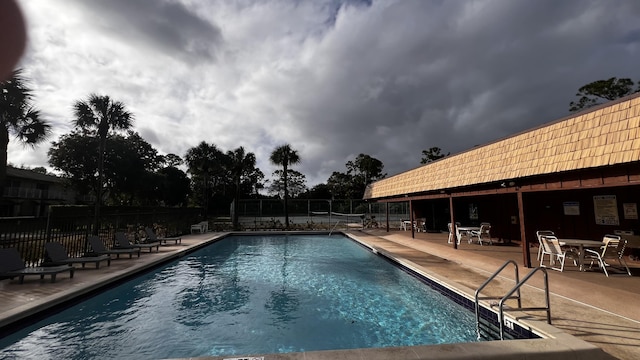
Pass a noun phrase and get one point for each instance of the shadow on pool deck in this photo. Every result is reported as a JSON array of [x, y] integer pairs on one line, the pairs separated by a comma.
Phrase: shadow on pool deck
[[602, 311]]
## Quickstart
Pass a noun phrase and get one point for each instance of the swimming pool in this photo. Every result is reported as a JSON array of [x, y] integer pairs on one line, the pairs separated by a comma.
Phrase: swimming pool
[[252, 294]]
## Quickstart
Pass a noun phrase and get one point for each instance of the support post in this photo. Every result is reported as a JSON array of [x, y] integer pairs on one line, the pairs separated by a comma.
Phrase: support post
[[526, 255], [452, 218]]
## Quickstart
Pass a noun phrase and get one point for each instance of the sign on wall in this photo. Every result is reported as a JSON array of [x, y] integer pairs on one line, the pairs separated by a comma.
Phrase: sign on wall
[[630, 210], [473, 212], [571, 207], [606, 210]]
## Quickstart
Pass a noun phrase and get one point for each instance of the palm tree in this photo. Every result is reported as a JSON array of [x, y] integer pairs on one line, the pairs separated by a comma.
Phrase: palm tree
[[241, 165], [285, 156], [203, 163], [97, 116], [18, 117]]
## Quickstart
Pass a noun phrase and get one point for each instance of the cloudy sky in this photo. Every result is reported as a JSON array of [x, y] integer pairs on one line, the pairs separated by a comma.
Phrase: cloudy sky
[[332, 78]]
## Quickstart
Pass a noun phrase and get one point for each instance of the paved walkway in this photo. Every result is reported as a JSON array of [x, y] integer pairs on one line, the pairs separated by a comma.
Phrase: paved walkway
[[602, 311]]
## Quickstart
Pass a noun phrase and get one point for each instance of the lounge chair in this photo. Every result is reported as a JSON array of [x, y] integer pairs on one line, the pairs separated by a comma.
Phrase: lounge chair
[[12, 265], [151, 236], [56, 254], [122, 242], [98, 248], [201, 227]]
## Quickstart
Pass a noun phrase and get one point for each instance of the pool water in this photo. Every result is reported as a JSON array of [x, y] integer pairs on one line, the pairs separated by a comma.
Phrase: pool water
[[248, 295]]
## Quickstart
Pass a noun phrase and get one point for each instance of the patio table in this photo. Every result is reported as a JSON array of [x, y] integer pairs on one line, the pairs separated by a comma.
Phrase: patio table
[[466, 230], [581, 244]]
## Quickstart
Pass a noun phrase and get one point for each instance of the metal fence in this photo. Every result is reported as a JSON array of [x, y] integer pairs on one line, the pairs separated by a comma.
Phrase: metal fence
[[70, 226], [318, 214]]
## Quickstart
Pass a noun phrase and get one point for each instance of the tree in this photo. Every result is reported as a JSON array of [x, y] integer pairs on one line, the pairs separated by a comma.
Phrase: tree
[[175, 186], [600, 91], [341, 185], [98, 116], [296, 183], [130, 166], [240, 167], [320, 191], [205, 163], [285, 156], [432, 154], [360, 173], [173, 160], [18, 117], [365, 170]]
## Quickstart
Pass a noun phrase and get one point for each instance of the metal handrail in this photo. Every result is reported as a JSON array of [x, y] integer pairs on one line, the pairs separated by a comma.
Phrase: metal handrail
[[493, 276], [334, 227], [547, 308]]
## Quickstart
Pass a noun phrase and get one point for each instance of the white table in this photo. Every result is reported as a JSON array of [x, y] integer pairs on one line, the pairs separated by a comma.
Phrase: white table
[[406, 224], [581, 244], [466, 230]]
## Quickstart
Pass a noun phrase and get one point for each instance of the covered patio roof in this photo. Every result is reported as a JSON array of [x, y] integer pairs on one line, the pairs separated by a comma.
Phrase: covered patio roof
[[603, 136]]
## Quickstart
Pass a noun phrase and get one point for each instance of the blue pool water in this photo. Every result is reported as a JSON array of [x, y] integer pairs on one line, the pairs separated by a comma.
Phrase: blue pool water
[[247, 295]]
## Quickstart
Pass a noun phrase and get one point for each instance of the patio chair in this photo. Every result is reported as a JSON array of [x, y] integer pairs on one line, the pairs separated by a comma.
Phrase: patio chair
[[122, 242], [56, 254], [457, 235], [450, 239], [201, 227], [540, 233], [98, 248], [483, 232], [551, 246], [613, 249], [151, 236], [12, 265]]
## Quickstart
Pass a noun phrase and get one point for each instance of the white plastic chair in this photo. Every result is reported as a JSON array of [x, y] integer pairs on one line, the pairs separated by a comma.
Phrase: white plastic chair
[[613, 249], [539, 234], [483, 232], [551, 246]]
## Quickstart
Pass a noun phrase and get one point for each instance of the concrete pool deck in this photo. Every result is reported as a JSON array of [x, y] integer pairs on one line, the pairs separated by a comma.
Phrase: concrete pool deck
[[603, 312]]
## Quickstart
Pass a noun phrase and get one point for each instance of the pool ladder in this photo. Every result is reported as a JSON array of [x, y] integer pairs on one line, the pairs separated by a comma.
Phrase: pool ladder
[[510, 295], [334, 227]]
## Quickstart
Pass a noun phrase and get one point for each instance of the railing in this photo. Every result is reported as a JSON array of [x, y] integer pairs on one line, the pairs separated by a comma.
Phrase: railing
[[510, 295], [546, 308], [32, 193], [334, 227], [490, 279], [70, 225]]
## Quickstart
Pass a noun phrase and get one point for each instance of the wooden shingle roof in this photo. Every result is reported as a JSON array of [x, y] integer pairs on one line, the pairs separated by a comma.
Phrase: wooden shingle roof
[[605, 135]]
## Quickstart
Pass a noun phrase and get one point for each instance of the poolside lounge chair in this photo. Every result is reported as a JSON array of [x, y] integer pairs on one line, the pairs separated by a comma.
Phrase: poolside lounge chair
[[12, 265], [151, 236], [56, 254], [98, 248], [201, 227], [122, 242]]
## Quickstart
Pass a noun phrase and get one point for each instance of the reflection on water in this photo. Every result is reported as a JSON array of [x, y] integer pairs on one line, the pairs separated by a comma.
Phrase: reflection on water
[[247, 295], [283, 303]]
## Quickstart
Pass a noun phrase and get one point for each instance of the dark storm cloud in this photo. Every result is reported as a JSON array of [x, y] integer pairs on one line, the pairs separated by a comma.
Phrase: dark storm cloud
[[166, 25], [332, 78], [458, 74]]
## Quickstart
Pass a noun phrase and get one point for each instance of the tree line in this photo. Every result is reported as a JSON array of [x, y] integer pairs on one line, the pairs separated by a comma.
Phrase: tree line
[[103, 156]]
